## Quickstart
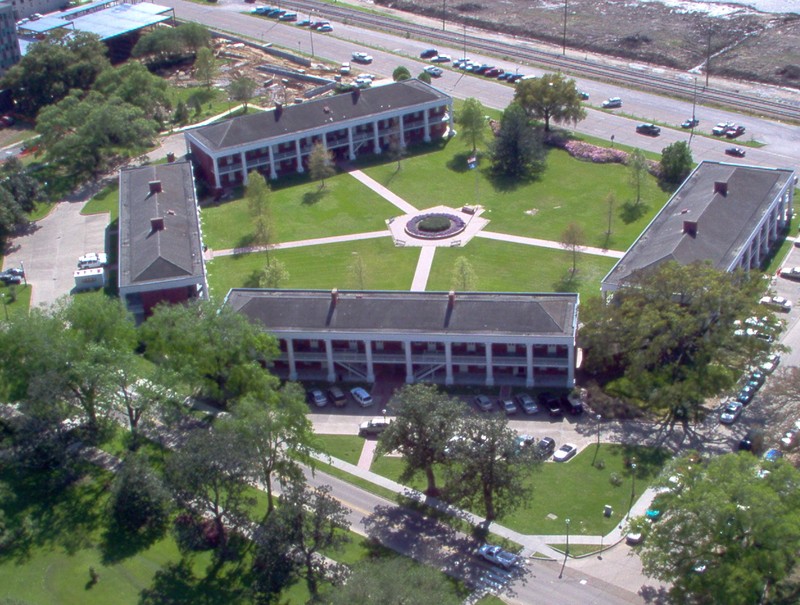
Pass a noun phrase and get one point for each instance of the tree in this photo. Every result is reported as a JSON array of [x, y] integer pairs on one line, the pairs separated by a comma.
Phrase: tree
[[320, 164], [273, 274], [135, 85], [517, 151], [637, 167], [472, 121], [424, 76], [725, 519], [426, 420], [401, 73], [139, 502], [394, 580], [208, 476], [171, 44], [205, 66], [216, 351], [63, 61], [676, 162], [259, 204], [242, 89], [572, 238], [551, 97], [488, 468], [610, 201], [358, 270], [275, 436], [463, 277], [181, 115], [397, 151], [667, 340], [25, 190]]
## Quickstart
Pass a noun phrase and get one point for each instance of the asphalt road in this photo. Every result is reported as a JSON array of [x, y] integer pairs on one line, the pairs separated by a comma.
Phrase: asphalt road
[[782, 143]]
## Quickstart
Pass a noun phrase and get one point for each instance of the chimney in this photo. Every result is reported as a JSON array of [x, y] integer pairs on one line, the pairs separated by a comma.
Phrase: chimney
[[156, 224], [451, 299], [155, 187], [334, 296], [721, 187], [356, 94], [690, 228], [278, 110]]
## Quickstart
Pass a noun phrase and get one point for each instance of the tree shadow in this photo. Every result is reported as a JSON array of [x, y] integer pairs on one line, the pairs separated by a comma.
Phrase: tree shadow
[[459, 164], [312, 197], [569, 282], [245, 241], [119, 544], [632, 212]]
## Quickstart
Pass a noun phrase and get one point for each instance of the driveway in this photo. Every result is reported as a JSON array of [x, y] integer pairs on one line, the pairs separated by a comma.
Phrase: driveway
[[50, 247]]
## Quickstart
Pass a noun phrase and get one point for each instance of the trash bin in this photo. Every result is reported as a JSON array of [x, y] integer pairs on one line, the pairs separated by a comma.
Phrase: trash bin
[[607, 510]]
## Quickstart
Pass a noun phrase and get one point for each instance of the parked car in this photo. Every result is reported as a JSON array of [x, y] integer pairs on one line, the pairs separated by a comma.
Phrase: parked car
[[789, 438], [527, 403], [317, 397], [374, 427], [791, 272], [10, 279], [303, 23], [753, 441], [435, 72], [493, 72], [336, 397], [522, 442], [583, 95], [507, 405], [93, 260], [545, 448], [441, 59], [288, 17], [345, 69], [7, 120], [361, 57], [734, 131], [773, 455], [361, 397], [428, 53], [777, 302], [690, 123], [653, 513], [18, 271], [756, 378], [746, 394], [565, 452], [731, 412], [634, 538], [770, 363], [498, 556], [572, 404], [648, 129], [721, 128], [483, 403], [612, 103], [736, 152], [325, 28]]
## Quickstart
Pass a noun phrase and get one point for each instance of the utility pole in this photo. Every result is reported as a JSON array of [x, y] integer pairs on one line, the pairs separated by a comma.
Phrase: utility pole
[[444, 12], [564, 39], [708, 56]]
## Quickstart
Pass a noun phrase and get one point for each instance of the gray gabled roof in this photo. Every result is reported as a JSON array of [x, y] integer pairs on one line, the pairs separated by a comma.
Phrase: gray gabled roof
[[485, 314], [291, 119], [148, 255], [724, 221]]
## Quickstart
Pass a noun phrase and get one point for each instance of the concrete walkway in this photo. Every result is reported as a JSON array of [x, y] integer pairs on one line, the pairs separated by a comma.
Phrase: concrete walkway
[[423, 271], [390, 197], [298, 244], [543, 243]]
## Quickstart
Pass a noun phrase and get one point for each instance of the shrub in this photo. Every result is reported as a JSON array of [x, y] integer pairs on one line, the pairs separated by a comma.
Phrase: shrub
[[615, 479], [434, 224]]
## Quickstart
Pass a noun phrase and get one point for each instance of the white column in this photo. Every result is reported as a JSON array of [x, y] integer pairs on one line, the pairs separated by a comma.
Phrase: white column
[[409, 365], [489, 368], [300, 168], [402, 133], [370, 367], [450, 118], [329, 356], [290, 354], [427, 137], [448, 363], [244, 169], [217, 179], [376, 140], [350, 151], [529, 380], [273, 172], [571, 367]]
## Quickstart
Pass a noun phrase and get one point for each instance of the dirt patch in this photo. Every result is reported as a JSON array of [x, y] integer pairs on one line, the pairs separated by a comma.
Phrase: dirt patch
[[743, 44]]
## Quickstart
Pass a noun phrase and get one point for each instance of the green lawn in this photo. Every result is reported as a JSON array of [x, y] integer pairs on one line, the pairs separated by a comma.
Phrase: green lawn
[[569, 191], [507, 267], [301, 212], [105, 201], [343, 447], [16, 300], [575, 490], [325, 267]]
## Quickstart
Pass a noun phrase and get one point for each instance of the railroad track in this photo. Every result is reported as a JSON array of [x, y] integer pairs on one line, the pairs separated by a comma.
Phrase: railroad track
[[668, 86]]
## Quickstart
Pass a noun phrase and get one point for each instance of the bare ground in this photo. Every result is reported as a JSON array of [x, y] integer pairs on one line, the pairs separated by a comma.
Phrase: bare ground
[[744, 45]]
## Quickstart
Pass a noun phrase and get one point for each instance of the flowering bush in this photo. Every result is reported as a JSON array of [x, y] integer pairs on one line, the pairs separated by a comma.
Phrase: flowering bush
[[593, 153]]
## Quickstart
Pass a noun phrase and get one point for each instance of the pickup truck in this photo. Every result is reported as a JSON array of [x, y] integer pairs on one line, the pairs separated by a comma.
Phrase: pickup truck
[[498, 556]]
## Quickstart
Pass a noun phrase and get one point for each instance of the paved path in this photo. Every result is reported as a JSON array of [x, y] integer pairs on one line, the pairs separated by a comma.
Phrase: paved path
[[420, 282], [383, 192], [543, 243], [300, 243]]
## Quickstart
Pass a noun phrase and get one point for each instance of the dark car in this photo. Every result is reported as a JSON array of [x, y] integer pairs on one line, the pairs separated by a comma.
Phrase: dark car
[[648, 129], [746, 395], [337, 397], [690, 123], [545, 448], [10, 279], [583, 95], [428, 53], [753, 441], [572, 405], [734, 131], [482, 69], [737, 152]]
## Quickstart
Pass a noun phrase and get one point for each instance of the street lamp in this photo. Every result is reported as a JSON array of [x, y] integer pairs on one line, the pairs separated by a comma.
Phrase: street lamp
[[566, 551], [567, 524], [5, 305], [564, 40], [597, 449], [633, 488], [384, 415]]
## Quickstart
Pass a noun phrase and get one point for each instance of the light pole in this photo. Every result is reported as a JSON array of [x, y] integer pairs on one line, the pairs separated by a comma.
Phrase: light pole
[[311, 36], [633, 488], [384, 415], [564, 39], [24, 277], [5, 305], [567, 524], [597, 449], [566, 551]]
